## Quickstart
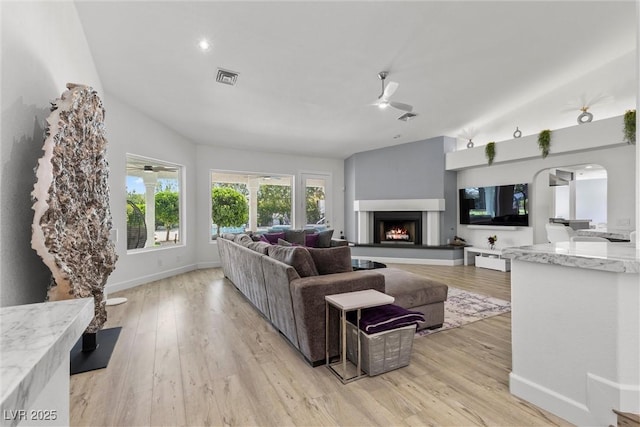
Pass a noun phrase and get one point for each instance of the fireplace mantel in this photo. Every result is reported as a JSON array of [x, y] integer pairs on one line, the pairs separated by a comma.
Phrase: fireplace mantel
[[425, 205], [430, 209]]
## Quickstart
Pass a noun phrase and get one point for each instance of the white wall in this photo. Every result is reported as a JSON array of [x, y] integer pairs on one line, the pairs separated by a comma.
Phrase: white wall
[[591, 197], [519, 160], [129, 131], [210, 158], [43, 49]]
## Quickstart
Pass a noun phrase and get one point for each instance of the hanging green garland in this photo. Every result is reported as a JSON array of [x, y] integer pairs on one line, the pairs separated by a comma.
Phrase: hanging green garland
[[544, 142], [630, 126], [490, 152]]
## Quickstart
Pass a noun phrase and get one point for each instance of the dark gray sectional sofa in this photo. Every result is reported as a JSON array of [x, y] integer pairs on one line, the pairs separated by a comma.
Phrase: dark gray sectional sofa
[[288, 284]]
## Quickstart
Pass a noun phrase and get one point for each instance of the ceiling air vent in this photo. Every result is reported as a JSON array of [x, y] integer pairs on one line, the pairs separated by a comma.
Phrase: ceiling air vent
[[407, 116], [227, 77]]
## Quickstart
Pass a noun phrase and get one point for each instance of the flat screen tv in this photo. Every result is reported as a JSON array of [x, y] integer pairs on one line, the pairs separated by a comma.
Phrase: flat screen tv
[[506, 205]]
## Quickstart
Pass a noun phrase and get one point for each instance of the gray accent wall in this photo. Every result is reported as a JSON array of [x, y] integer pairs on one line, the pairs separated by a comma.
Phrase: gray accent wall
[[414, 170]]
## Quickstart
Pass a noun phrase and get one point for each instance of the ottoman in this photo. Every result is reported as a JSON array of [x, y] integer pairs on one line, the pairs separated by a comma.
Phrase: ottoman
[[417, 293]]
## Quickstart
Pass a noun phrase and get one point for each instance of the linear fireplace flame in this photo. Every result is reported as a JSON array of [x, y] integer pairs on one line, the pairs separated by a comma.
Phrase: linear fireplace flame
[[397, 233], [397, 227]]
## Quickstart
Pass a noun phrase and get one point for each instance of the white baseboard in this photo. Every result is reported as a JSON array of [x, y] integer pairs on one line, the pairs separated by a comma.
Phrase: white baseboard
[[207, 264], [573, 411], [115, 287]]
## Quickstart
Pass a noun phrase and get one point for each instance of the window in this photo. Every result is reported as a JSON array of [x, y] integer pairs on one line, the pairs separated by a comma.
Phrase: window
[[317, 210], [243, 201], [153, 203]]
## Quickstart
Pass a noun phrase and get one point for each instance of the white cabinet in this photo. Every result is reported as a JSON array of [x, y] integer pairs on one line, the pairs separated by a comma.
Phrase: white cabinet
[[486, 258]]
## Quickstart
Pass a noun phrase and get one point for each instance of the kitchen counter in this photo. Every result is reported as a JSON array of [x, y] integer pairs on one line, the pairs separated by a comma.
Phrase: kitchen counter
[[607, 234], [575, 329], [606, 256], [35, 342]]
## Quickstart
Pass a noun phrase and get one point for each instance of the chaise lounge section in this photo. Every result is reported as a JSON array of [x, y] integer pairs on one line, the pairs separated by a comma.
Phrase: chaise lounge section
[[288, 284]]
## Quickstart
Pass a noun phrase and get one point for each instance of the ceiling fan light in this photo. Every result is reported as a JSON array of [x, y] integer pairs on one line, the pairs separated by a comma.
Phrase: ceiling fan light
[[384, 104]]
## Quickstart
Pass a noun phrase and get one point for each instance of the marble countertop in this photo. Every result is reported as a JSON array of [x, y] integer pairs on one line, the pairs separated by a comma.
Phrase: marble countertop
[[34, 341], [606, 256], [607, 234]]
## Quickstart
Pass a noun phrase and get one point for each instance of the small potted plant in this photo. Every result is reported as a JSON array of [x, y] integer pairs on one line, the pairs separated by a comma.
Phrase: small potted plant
[[630, 126], [544, 142], [490, 152], [492, 241]]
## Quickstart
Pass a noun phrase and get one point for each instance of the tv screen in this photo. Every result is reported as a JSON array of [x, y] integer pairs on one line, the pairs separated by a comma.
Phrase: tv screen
[[506, 205]]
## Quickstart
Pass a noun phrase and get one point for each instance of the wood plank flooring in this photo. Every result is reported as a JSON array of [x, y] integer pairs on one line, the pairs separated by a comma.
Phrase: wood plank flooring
[[193, 351]]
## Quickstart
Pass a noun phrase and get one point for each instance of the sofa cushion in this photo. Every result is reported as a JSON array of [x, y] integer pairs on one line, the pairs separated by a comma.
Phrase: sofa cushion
[[296, 256], [324, 238], [260, 247], [243, 239], [331, 260], [311, 240], [228, 236], [273, 237], [294, 236], [411, 290]]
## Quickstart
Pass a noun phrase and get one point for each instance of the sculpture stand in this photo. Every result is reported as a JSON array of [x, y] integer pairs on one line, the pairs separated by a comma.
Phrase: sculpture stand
[[93, 350]]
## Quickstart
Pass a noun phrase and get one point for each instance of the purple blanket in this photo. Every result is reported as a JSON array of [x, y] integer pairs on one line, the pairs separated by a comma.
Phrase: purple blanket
[[385, 318]]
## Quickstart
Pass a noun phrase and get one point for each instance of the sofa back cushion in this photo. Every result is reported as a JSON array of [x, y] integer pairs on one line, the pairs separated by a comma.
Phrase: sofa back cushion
[[260, 247], [331, 260], [296, 256], [243, 239]]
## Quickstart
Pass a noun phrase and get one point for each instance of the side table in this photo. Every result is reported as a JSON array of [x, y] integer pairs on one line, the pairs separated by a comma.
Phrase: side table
[[345, 302]]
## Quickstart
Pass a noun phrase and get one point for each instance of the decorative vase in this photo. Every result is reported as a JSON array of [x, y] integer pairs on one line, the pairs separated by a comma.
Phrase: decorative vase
[[585, 117], [517, 133]]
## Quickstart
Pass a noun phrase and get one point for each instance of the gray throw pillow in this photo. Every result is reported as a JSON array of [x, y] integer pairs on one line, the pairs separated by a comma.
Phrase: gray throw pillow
[[294, 236], [324, 238], [295, 256], [331, 260]]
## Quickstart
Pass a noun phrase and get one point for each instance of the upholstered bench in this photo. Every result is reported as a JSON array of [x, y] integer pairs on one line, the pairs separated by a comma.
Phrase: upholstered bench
[[417, 293]]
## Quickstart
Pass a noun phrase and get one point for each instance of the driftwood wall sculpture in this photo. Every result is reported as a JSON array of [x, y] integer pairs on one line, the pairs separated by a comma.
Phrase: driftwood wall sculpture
[[72, 220]]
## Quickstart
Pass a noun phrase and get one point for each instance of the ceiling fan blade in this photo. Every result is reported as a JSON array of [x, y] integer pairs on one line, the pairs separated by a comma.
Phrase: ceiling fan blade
[[402, 107], [389, 90]]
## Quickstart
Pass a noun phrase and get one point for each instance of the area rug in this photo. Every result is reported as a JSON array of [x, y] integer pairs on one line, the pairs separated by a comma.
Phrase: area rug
[[464, 307]]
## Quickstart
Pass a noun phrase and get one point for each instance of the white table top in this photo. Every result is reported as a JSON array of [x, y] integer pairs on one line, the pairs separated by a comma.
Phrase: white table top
[[359, 299], [34, 340]]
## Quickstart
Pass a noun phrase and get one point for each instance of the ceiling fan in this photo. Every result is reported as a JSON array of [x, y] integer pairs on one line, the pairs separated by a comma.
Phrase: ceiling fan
[[388, 90], [151, 168]]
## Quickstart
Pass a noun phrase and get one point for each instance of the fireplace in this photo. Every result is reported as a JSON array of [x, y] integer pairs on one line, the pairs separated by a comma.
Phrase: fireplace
[[397, 227]]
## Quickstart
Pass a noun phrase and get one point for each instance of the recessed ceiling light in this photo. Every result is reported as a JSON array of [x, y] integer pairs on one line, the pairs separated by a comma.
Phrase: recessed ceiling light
[[204, 45]]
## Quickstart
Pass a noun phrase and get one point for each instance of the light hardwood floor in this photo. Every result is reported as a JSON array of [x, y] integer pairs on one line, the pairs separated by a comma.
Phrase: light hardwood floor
[[194, 351]]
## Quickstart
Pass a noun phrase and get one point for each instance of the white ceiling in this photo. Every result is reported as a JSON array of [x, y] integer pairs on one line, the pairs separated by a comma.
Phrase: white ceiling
[[308, 70]]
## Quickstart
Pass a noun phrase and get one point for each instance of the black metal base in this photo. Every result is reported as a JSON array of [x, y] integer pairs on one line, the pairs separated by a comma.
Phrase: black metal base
[[93, 351]]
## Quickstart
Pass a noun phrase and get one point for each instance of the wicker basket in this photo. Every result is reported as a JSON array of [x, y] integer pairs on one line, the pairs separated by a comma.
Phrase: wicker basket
[[383, 351]]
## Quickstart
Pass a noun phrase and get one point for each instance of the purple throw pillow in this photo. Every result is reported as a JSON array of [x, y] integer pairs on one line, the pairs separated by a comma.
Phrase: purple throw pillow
[[311, 240], [264, 239], [273, 237]]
